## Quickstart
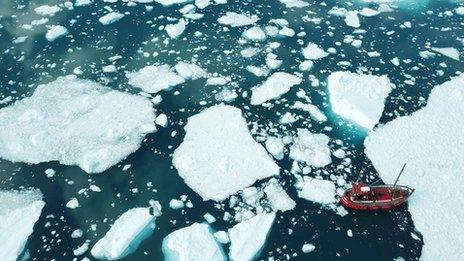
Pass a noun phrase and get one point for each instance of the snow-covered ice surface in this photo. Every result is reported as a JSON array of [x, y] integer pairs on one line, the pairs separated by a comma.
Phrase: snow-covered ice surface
[[358, 97], [430, 142], [195, 242], [248, 237], [317, 190], [153, 79], [76, 122], [124, 236], [218, 149], [19, 211], [275, 86]]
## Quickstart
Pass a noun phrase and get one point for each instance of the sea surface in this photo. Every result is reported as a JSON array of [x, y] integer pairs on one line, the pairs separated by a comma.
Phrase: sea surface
[[140, 41]]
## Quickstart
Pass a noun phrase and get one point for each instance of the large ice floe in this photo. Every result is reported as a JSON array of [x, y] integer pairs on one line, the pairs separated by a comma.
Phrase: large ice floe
[[19, 210], [125, 235], [248, 237], [430, 142], [358, 97], [275, 86], [195, 242], [218, 156], [76, 122]]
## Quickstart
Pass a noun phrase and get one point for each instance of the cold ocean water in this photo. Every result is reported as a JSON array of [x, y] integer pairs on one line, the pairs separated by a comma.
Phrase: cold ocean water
[[138, 39]]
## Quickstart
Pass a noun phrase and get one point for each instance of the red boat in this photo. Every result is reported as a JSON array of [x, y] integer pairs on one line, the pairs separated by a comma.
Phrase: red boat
[[381, 197]]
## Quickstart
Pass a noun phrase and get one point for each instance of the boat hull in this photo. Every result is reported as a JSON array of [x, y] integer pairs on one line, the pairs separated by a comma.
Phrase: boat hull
[[384, 197]]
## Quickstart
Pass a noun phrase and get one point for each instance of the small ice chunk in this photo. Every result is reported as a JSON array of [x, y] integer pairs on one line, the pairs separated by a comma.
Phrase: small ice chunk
[[217, 80], [317, 190], [55, 32], [247, 238], [82, 2], [190, 71], [275, 146], [277, 197], [209, 218], [313, 52], [368, 12], [175, 30], [125, 235], [222, 237], [218, 149], [47, 10], [236, 20], [73, 203], [152, 79], [109, 69], [358, 97], [162, 120], [176, 204], [195, 242], [352, 19], [19, 211], [110, 18], [311, 148], [171, 2], [255, 33], [307, 248], [273, 87], [294, 3], [450, 52]]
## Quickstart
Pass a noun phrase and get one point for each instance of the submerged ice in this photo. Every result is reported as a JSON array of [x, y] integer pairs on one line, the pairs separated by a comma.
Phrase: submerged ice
[[75, 122]]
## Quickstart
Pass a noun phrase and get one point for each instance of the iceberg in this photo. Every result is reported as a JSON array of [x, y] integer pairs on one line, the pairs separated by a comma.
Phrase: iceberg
[[76, 122], [19, 211], [430, 142], [247, 238], [275, 86], [218, 156], [125, 235], [195, 242], [358, 97]]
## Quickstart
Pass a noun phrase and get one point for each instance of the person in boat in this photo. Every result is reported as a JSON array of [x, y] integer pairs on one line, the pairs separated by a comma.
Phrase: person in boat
[[362, 192]]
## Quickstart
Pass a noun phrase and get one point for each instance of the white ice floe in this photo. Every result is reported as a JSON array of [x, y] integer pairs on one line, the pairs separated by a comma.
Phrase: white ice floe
[[195, 242], [172, 2], [313, 110], [352, 19], [217, 80], [235, 19], [110, 18], [125, 235], [55, 32], [277, 198], [368, 12], [72, 203], [294, 3], [255, 33], [273, 87], [19, 210], [308, 248], [313, 149], [76, 122], [450, 52], [152, 79], [190, 71], [218, 156], [317, 190], [202, 4], [430, 142], [47, 10], [247, 238], [83, 2], [275, 147], [313, 52], [359, 97], [175, 30]]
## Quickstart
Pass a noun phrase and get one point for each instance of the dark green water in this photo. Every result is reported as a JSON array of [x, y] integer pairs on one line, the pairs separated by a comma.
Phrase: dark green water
[[378, 236]]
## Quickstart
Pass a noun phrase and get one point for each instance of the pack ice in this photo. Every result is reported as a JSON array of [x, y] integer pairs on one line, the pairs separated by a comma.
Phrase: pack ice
[[247, 238], [218, 156], [430, 142], [19, 210], [125, 235], [76, 122], [358, 97], [195, 242]]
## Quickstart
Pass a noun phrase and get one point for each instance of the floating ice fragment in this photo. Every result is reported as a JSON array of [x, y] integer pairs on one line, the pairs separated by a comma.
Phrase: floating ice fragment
[[55, 32], [152, 79], [125, 235], [352, 19], [313, 149], [175, 30], [110, 18], [235, 19], [358, 97], [450, 52], [275, 86], [47, 10], [317, 190], [218, 149], [314, 52], [195, 242]]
